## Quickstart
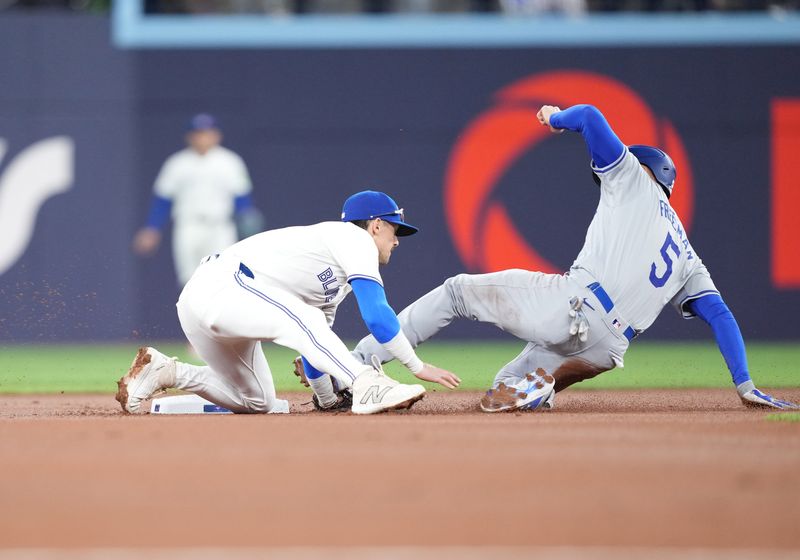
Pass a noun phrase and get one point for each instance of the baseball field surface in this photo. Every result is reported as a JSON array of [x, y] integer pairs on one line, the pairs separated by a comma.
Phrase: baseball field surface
[[635, 471]]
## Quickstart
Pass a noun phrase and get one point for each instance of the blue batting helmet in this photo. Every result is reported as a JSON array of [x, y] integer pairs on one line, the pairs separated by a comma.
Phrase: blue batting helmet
[[656, 161], [659, 163]]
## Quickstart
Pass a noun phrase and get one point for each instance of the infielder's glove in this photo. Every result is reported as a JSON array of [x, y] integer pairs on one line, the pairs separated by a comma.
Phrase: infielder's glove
[[344, 397], [344, 401], [579, 325], [755, 398]]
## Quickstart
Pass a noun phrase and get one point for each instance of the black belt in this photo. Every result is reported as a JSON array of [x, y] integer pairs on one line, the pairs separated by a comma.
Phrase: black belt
[[608, 304], [246, 271]]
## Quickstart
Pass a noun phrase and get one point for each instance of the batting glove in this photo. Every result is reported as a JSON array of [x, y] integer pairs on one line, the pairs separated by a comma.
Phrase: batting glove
[[755, 398], [579, 325]]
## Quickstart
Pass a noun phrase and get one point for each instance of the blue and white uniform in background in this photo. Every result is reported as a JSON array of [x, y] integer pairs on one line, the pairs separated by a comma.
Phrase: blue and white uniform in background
[[202, 193], [283, 286], [635, 260]]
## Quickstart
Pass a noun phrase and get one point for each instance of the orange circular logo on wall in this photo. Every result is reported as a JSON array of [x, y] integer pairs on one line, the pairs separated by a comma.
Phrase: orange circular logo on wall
[[485, 237]]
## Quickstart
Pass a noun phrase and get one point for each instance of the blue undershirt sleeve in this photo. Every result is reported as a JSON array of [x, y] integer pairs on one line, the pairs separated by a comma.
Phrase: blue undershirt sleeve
[[603, 144], [712, 310], [160, 209], [242, 203], [380, 318]]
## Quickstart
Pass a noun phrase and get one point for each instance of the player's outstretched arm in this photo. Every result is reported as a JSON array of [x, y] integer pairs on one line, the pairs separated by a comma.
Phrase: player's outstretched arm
[[712, 309], [383, 324], [603, 144]]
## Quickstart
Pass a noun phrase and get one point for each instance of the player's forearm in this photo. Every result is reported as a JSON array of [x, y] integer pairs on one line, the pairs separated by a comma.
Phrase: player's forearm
[[712, 310], [604, 146], [383, 324], [401, 349]]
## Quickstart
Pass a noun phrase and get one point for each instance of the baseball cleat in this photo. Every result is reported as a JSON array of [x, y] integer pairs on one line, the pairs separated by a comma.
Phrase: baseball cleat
[[150, 372], [550, 402], [300, 371], [534, 391], [374, 391]]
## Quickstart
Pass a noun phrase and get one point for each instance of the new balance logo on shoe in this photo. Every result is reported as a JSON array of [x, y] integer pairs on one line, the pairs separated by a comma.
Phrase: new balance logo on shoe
[[375, 394]]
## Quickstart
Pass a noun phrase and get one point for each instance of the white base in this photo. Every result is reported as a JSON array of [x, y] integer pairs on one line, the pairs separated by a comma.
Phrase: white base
[[194, 404]]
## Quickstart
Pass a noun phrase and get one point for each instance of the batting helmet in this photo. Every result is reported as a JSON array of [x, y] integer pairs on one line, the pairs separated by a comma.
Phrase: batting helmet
[[657, 161]]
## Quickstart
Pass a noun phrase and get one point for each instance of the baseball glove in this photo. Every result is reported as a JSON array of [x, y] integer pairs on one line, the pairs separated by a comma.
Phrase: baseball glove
[[344, 401], [344, 397]]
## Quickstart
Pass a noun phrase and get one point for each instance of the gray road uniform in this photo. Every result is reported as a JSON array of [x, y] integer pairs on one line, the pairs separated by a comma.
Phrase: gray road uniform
[[636, 258]]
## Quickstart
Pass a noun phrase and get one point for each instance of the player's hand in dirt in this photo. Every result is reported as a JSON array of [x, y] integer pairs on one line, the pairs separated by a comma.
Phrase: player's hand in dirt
[[438, 375], [756, 398], [544, 117]]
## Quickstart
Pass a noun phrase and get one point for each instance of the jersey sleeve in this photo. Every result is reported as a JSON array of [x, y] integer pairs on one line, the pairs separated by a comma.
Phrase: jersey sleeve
[[356, 253], [623, 178], [168, 179], [698, 284]]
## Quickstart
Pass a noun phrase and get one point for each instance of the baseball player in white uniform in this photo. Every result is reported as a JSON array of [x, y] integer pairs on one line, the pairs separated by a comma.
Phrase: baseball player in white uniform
[[284, 286], [203, 187], [636, 259]]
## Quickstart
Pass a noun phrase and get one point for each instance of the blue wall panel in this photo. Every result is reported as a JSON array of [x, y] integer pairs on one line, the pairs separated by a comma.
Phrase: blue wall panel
[[316, 125]]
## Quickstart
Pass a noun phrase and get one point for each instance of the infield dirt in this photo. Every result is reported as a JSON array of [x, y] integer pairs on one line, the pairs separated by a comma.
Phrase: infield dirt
[[691, 469]]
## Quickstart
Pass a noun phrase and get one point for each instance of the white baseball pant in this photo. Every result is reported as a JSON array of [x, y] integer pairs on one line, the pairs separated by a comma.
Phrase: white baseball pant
[[225, 313]]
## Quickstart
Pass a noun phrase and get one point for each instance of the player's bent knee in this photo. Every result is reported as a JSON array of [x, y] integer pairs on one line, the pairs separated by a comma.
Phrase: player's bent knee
[[257, 405], [453, 285]]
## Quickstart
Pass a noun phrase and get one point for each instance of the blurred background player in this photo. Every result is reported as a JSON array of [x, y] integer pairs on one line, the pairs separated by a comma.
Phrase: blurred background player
[[284, 286], [206, 189]]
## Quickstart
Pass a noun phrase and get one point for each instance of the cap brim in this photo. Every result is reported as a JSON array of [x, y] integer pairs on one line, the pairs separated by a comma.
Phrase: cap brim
[[403, 228]]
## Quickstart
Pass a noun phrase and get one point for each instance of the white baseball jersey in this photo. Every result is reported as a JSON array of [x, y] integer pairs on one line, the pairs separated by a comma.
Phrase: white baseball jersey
[[203, 187], [281, 286], [637, 248], [314, 263]]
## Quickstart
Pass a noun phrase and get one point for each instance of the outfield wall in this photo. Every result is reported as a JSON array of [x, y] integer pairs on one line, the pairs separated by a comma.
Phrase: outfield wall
[[447, 131]]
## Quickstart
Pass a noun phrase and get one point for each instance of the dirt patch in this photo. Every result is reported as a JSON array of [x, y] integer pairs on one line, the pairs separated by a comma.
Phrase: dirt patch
[[690, 469]]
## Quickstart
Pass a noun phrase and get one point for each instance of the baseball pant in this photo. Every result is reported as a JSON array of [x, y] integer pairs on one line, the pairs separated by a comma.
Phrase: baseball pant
[[225, 313], [194, 239], [532, 306]]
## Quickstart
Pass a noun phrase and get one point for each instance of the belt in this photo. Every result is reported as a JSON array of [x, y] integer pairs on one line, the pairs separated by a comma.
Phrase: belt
[[608, 304], [246, 271], [243, 268]]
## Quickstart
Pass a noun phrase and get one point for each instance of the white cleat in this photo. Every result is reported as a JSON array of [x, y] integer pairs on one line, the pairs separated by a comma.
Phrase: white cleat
[[374, 391], [534, 391], [550, 402], [150, 372]]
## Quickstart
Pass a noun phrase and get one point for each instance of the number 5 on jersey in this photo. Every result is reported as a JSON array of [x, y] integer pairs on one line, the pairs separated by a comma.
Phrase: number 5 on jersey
[[655, 279]]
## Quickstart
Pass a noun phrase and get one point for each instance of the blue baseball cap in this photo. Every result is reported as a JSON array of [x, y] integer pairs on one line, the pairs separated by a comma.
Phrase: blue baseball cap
[[367, 205], [203, 121]]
